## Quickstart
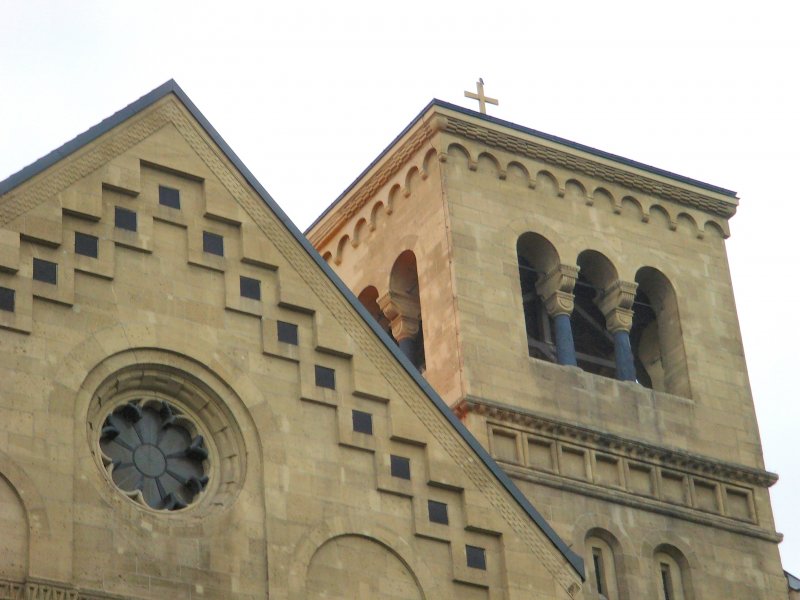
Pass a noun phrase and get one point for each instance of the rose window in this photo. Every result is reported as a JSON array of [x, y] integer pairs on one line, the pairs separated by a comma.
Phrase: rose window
[[154, 454]]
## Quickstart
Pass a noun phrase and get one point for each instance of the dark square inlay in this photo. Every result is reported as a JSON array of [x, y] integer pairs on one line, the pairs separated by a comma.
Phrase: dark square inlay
[[6, 299], [325, 377], [44, 270], [401, 467], [85, 244], [213, 243], [287, 333], [249, 287], [437, 512], [476, 557], [124, 219], [362, 422], [169, 197]]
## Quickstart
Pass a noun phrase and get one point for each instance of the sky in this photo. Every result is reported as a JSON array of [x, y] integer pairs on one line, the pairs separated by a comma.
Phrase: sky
[[308, 93]]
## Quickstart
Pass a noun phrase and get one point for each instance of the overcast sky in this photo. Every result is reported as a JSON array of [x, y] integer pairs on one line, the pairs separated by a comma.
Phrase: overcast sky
[[308, 93]]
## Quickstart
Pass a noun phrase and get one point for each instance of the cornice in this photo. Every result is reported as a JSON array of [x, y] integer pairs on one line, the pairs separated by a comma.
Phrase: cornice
[[561, 158], [640, 502], [679, 459], [345, 208], [35, 589], [364, 188]]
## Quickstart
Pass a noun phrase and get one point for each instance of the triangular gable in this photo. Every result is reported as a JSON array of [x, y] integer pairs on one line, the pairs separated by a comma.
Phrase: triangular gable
[[28, 191]]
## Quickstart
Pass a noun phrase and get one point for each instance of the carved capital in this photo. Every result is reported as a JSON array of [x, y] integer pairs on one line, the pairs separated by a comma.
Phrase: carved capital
[[403, 313], [559, 303], [555, 289], [619, 319], [615, 304]]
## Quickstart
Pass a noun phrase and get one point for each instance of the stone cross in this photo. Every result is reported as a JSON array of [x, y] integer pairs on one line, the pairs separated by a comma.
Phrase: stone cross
[[482, 99]]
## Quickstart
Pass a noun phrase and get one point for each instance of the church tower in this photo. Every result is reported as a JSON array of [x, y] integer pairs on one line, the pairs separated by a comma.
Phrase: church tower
[[575, 310]]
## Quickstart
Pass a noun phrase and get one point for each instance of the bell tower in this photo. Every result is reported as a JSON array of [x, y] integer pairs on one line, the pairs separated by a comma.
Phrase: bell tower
[[575, 310]]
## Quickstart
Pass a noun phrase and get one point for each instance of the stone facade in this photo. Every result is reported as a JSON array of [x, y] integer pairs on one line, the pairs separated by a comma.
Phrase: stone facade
[[193, 406], [645, 457]]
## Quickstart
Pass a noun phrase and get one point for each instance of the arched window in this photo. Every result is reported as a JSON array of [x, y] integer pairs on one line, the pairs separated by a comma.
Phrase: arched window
[[594, 345], [602, 567], [402, 308], [536, 257], [671, 571], [656, 337]]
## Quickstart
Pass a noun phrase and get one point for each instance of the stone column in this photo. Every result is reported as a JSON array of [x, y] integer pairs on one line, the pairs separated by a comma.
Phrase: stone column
[[615, 304], [555, 289], [403, 313]]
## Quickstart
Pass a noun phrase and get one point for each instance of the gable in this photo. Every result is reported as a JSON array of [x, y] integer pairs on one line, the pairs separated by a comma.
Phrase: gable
[[155, 292]]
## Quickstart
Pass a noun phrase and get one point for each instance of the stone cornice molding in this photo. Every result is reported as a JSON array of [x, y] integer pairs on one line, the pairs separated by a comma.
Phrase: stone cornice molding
[[677, 459], [34, 589], [368, 184], [347, 206], [627, 499], [526, 147]]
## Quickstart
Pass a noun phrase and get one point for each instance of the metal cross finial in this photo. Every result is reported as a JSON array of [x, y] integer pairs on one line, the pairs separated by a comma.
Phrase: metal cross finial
[[482, 99]]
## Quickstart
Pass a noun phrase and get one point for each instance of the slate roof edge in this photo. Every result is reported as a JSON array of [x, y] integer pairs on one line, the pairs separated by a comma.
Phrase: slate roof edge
[[172, 87], [794, 582], [528, 131]]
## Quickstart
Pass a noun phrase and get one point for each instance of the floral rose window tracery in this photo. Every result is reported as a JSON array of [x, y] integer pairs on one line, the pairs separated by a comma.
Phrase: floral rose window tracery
[[154, 454]]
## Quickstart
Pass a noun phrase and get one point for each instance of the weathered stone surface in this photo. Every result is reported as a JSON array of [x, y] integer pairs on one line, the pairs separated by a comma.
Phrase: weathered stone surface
[[673, 471]]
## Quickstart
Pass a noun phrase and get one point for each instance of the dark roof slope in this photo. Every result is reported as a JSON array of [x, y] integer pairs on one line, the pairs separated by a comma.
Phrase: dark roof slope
[[794, 582], [171, 87]]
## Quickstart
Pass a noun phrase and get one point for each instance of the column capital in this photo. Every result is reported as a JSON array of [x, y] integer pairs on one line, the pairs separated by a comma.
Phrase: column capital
[[555, 289], [403, 313], [615, 303]]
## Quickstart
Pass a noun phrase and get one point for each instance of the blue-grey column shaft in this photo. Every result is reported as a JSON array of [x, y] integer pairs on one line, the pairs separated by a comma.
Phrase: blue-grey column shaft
[[626, 371], [407, 347], [565, 345]]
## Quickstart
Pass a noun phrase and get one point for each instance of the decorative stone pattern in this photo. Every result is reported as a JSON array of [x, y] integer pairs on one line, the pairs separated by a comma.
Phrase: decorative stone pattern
[[615, 471], [577, 435], [222, 329], [13, 590], [517, 146], [152, 456], [365, 339], [342, 223]]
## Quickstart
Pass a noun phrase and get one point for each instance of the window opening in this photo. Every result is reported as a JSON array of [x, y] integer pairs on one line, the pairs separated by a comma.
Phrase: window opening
[[213, 243], [362, 422], [325, 377], [643, 333], [666, 582], [85, 245], [287, 333], [599, 573], [46, 271], [437, 512], [400, 467], [124, 219], [537, 322], [594, 345], [155, 454], [168, 196], [7, 299], [249, 288], [476, 557]]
